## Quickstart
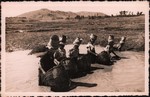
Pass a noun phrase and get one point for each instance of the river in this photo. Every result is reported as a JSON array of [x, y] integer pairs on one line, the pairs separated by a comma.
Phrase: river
[[126, 75]]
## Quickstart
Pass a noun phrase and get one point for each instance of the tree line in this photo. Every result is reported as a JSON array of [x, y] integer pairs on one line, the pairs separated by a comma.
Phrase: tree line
[[89, 17], [124, 13], [121, 13]]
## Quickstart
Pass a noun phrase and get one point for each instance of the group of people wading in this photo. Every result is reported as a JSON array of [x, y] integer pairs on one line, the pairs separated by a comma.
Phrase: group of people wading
[[56, 69]]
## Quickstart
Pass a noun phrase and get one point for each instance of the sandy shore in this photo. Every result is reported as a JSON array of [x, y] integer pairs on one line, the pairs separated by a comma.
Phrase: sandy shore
[[126, 75]]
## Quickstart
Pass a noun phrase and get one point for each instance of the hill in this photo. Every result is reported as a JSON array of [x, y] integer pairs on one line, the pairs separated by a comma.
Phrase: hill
[[46, 14]]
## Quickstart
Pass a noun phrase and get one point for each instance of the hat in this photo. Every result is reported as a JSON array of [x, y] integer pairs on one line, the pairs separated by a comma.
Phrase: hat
[[123, 38], [111, 37], [54, 38], [62, 38], [53, 42], [77, 41], [92, 36]]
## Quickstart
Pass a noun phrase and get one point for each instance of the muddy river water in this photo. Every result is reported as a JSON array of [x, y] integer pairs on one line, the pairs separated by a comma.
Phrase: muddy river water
[[126, 75]]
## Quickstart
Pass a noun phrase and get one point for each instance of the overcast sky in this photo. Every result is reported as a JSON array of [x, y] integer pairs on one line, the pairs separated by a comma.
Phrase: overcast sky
[[16, 8]]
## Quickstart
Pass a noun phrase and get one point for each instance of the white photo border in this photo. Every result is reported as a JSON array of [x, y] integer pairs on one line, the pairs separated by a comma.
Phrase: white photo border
[[4, 93]]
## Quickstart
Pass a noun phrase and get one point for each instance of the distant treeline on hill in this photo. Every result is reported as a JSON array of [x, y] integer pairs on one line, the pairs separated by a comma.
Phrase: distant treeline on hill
[[129, 13], [121, 14]]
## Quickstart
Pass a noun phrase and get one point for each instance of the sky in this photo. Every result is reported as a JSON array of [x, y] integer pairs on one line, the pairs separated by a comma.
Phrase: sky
[[10, 9]]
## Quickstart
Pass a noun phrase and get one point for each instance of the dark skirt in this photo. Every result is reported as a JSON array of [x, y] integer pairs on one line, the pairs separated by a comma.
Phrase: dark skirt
[[92, 58], [61, 85], [104, 58], [70, 65], [57, 78], [84, 63]]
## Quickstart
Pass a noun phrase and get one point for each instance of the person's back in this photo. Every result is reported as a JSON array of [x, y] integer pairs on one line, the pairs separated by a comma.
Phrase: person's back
[[46, 60], [84, 63], [57, 78], [104, 58]]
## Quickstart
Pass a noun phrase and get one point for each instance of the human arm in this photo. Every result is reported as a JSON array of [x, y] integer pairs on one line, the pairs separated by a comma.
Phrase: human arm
[[40, 67], [115, 54], [89, 49], [56, 58]]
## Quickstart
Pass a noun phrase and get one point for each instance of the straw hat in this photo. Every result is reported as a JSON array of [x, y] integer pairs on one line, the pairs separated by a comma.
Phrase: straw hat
[[111, 37], [123, 38], [62, 38], [77, 41], [93, 37]]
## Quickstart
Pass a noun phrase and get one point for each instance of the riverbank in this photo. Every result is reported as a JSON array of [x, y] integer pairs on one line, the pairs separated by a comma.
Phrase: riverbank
[[133, 28]]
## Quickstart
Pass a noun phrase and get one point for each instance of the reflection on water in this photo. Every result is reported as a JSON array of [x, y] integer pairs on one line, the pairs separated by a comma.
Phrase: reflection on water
[[108, 68], [126, 75]]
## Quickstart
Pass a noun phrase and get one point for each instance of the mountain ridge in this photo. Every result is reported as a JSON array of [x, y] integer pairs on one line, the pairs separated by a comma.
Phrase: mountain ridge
[[46, 14]]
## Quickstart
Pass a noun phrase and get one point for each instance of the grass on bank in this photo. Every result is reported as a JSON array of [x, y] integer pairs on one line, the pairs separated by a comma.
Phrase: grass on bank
[[39, 33]]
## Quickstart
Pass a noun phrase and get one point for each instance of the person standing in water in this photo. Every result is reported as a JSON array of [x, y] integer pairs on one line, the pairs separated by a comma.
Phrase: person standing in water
[[120, 44], [111, 45], [60, 53], [74, 54], [53, 42], [91, 48], [47, 60], [104, 57]]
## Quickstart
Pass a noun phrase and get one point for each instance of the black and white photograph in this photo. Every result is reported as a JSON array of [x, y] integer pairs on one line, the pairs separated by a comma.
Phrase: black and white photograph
[[75, 47]]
